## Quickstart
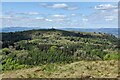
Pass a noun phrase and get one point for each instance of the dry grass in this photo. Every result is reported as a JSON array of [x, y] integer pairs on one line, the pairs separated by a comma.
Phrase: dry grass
[[108, 69]]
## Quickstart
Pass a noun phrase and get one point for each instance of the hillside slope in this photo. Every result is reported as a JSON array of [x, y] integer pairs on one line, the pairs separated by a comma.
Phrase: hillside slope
[[50, 47], [80, 69]]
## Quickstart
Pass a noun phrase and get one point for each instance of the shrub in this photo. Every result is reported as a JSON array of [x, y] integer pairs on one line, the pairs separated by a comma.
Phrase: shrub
[[53, 49], [6, 51], [111, 56]]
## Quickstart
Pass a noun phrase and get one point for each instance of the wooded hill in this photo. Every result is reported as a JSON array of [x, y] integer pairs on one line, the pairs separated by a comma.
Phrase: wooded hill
[[45, 46]]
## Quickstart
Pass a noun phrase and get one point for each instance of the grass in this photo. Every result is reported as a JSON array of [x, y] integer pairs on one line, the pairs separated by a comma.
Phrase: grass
[[97, 69], [0, 68]]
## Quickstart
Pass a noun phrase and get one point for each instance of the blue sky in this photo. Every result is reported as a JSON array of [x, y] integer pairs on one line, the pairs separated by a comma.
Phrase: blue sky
[[60, 14]]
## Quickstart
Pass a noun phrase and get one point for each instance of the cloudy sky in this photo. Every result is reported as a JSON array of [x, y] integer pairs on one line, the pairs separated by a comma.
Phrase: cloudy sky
[[60, 14]]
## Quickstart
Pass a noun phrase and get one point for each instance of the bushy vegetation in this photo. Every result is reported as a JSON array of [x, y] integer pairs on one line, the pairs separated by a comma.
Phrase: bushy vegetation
[[40, 47], [112, 56]]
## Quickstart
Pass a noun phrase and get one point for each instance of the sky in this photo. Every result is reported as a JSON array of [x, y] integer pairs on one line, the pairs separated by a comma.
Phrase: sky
[[60, 14]]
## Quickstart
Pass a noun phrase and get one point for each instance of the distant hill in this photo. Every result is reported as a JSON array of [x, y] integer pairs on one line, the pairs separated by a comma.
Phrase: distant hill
[[113, 31], [14, 29]]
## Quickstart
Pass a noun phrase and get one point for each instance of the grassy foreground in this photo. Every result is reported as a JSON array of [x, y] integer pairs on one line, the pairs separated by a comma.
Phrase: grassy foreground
[[80, 69]]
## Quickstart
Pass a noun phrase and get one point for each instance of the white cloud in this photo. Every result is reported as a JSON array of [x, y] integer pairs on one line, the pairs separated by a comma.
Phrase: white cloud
[[103, 18], [59, 16], [105, 7], [72, 8], [59, 20], [73, 14], [48, 20], [6, 17], [109, 18], [85, 20], [33, 13], [60, 6], [29, 13], [39, 18]]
